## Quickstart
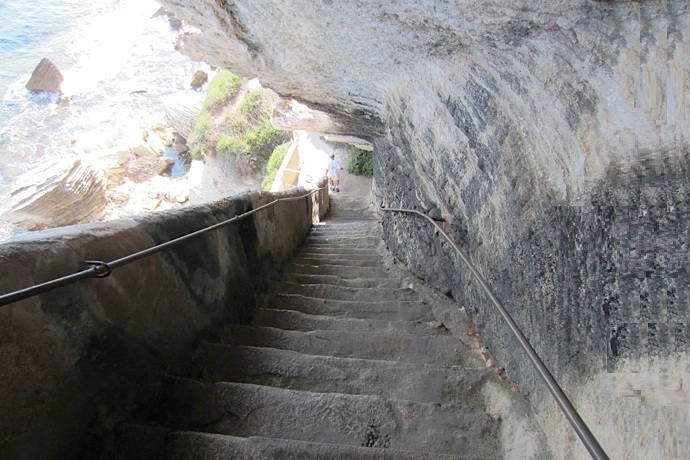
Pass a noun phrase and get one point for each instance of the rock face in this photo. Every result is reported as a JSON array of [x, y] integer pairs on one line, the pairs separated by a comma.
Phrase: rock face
[[552, 139], [57, 194], [181, 115], [45, 77]]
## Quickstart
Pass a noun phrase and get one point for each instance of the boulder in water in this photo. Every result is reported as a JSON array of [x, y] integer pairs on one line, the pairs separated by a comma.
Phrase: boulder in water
[[200, 77], [46, 77]]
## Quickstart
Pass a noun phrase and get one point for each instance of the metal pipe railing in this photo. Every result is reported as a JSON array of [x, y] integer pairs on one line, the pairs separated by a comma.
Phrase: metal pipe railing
[[585, 435], [99, 269]]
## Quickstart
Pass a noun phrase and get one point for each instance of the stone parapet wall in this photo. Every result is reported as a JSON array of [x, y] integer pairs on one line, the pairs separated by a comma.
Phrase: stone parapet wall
[[78, 359]]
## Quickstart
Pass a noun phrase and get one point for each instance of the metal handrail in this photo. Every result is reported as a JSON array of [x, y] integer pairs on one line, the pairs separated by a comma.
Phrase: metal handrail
[[586, 436], [99, 269]]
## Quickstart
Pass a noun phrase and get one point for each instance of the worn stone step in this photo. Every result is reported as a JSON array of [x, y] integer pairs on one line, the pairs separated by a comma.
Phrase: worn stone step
[[327, 374], [366, 251], [297, 321], [185, 445], [345, 224], [330, 292], [345, 231], [340, 247], [343, 240], [334, 280], [349, 273], [337, 248], [327, 255], [400, 310], [387, 346], [336, 261], [241, 409], [348, 230]]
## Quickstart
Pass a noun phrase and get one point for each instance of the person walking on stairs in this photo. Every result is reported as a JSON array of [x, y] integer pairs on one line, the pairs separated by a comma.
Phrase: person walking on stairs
[[333, 173]]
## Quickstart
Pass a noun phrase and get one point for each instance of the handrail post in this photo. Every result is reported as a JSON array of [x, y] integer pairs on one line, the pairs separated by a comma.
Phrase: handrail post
[[583, 432]]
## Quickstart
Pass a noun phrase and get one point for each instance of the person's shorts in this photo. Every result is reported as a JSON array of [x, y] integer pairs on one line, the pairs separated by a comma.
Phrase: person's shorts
[[333, 175]]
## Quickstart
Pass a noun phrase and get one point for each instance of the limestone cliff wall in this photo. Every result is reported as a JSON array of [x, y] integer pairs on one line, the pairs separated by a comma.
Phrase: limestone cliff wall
[[77, 360], [551, 137]]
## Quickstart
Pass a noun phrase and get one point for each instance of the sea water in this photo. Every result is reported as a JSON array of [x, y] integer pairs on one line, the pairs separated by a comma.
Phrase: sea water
[[120, 70]]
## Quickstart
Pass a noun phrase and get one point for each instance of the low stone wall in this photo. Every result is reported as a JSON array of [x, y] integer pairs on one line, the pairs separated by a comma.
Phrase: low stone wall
[[77, 360]]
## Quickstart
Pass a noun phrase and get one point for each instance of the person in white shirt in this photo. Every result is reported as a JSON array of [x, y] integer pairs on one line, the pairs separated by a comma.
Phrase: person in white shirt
[[333, 173]]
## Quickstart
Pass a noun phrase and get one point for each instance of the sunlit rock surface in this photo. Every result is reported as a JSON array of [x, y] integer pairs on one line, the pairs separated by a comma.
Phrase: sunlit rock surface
[[45, 77], [552, 139], [55, 194]]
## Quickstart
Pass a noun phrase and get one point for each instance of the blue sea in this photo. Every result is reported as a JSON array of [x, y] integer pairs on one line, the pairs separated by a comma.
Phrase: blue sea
[[120, 69]]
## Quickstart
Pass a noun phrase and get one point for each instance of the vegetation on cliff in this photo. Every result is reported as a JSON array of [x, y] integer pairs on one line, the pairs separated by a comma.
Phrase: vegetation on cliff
[[360, 162], [273, 165], [234, 124]]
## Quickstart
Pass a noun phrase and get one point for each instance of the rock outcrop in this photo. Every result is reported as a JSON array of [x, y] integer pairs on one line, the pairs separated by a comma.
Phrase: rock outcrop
[[552, 139], [181, 115], [45, 77], [56, 194]]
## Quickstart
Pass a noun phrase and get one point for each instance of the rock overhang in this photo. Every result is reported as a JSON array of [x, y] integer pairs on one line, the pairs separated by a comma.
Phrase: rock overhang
[[550, 136]]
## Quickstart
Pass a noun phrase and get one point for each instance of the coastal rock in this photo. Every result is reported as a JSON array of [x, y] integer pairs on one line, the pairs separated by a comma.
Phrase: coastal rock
[[181, 114], [60, 193], [175, 23], [200, 77], [155, 142], [180, 144], [45, 77], [145, 168], [143, 149]]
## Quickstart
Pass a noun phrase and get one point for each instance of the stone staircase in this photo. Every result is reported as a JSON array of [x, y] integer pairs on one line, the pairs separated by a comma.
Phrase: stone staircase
[[341, 362]]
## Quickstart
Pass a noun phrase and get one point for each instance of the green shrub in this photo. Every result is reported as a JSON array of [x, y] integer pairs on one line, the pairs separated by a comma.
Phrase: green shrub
[[223, 86], [273, 165], [257, 105], [228, 147], [361, 162], [202, 125], [262, 139]]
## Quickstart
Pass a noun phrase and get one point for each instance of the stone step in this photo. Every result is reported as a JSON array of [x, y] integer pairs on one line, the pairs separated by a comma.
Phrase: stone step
[[336, 261], [185, 445], [387, 346], [296, 321], [304, 250], [330, 292], [323, 244], [345, 273], [346, 224], [368, 231], [338, 248], [333, 280], [364, 233], [400, 310], [327, 255], [327, 374], [240, 409]]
